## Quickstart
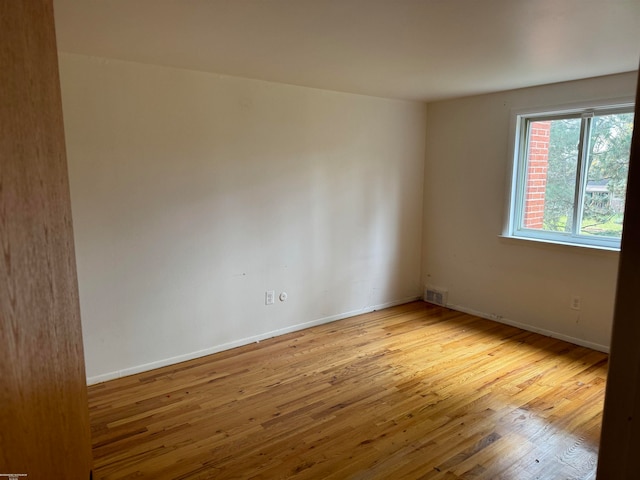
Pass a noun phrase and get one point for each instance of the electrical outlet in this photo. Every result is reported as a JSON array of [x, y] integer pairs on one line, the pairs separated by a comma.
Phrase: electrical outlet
[[575, 302], [269, 297]]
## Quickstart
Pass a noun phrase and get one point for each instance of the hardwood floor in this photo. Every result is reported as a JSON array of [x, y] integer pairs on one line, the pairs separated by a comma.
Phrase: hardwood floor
[[415, 391]]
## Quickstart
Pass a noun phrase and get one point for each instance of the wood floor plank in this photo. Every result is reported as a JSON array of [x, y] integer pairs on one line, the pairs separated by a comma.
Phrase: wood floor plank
[[414, 391]]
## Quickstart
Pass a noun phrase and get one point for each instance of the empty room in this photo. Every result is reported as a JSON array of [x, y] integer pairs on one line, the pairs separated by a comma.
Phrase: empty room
[[310, 239]]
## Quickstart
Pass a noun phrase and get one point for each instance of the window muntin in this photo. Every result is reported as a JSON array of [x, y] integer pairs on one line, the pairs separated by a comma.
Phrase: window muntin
[[570, 175]]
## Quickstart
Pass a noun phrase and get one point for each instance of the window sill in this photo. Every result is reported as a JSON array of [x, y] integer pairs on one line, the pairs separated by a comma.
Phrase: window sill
[[555, 245]]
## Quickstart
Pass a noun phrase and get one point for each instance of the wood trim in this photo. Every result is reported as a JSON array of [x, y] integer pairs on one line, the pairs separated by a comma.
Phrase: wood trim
[[44, 429], [620, 441]]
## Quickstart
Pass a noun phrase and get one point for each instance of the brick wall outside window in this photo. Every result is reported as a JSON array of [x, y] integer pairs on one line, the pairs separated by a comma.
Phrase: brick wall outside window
[[537, 165]]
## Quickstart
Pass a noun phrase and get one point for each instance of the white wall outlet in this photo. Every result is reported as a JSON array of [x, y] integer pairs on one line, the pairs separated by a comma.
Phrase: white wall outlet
[[575, 302], [269, 297], [283, 296]]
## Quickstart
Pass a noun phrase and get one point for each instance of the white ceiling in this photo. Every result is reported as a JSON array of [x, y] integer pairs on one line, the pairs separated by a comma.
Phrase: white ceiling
[[411, 49]]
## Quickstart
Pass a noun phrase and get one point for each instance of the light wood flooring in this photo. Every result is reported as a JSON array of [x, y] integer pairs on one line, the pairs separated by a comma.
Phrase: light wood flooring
[[411, 392]]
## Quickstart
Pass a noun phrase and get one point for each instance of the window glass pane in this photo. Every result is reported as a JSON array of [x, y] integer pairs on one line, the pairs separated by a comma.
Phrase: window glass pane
[[551, 168], [608, 165]]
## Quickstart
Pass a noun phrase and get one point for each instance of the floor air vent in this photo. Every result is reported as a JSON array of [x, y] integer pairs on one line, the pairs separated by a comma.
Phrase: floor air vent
[[435, 295]]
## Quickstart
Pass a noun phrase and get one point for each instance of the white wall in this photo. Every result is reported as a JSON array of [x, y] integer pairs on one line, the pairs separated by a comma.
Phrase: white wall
[[466, 180], [195, 193]]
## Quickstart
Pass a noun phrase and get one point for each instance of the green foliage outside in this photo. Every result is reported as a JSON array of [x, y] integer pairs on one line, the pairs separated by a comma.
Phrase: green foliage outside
[[608, 165], [611, 228]]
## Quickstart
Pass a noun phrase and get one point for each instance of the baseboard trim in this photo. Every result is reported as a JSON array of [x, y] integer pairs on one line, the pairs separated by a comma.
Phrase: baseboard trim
[[530, 328], [239, 343]]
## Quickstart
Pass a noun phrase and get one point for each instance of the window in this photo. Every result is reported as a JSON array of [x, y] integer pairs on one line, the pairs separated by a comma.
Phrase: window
[[570, 175]]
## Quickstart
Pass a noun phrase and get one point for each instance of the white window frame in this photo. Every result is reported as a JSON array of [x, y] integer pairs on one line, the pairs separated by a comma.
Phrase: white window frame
[[518, 170]]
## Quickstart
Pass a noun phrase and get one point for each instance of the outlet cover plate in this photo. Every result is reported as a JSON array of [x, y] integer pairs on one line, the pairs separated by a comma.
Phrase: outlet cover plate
[[269, 297]]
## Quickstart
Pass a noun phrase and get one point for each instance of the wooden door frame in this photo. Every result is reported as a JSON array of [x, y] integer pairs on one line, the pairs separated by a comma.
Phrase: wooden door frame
[[44, 418], [620, 439]]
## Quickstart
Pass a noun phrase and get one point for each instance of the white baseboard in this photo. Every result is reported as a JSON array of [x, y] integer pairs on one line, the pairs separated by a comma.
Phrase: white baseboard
[[238, 343], [531, 328]]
